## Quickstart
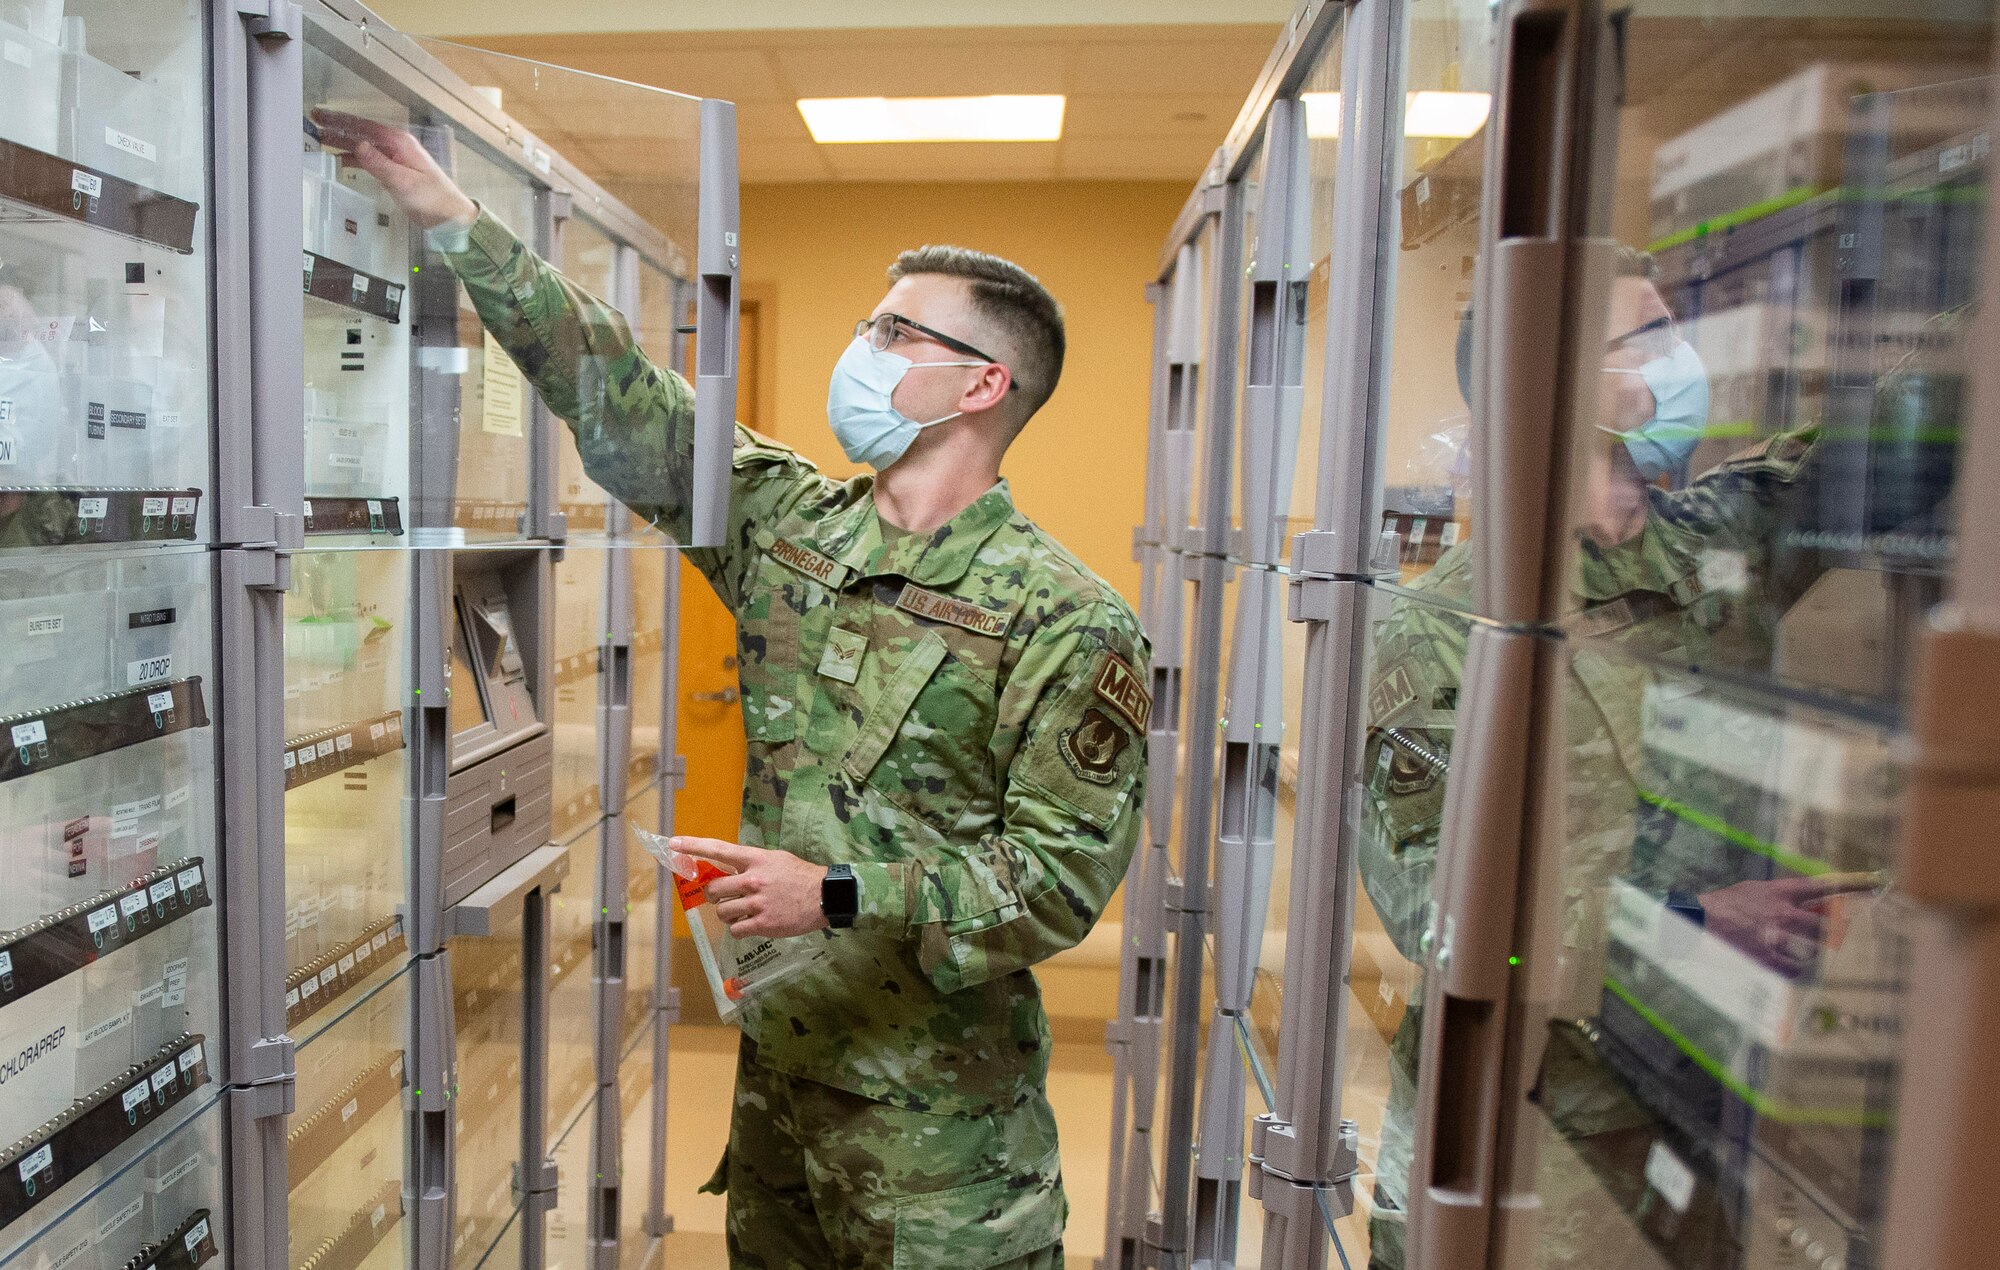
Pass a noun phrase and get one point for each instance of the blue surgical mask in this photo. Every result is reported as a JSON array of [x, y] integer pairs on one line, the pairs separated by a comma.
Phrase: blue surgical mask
[[859, 405], [1679, 384]]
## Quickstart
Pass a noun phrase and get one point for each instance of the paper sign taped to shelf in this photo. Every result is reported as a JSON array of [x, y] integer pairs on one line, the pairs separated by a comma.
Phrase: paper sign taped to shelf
[[505, 398], [180, 1170], [1672, 1179], [88, 184], [106, 1028], [137, 147], [69, 1257], [148, 670]]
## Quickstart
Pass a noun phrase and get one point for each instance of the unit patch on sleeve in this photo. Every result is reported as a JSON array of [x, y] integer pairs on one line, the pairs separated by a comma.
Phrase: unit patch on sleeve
[[1118, 684], [943, 608], [1390, 694], [1093, 746]]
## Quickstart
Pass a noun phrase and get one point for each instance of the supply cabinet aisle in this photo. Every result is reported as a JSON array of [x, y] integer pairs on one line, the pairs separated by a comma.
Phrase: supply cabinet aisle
[[326, 651], [1557, 877]]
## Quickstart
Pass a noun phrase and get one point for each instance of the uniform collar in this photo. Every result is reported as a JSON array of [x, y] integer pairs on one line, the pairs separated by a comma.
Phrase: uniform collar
[[853, 536], [1664, 558]]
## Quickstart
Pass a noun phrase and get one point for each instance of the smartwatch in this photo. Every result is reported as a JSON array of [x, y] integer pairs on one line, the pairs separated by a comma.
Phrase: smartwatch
[[840, 896]]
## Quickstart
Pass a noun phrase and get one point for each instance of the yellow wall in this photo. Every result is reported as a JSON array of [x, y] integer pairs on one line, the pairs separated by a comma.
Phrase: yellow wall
[[816, 256]]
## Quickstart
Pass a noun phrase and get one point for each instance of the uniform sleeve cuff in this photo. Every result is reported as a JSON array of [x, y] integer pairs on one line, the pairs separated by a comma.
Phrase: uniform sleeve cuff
[[884, 906], [452, 237]]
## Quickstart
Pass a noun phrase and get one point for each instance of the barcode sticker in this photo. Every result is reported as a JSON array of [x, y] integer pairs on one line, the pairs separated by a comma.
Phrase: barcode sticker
[[135, 1097], [191, 1058], [92, 508], [40, 1160], [6, 963], [133, 903], [160, 702], [103, 917], [88, 184], [188, 879], [184, 506], [30, 733], [347, 965], [161, 891], [196, 1234], [163, 1079], [153, 507], [325, 748], [376, 731], [344, 742]]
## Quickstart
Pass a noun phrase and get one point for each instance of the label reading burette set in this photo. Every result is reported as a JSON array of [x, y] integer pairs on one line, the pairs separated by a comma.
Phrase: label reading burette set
[[737, 968]]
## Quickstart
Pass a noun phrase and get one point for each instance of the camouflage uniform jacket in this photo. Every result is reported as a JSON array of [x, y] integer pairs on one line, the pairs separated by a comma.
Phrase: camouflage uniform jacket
[[1645, 598], [960, 715]]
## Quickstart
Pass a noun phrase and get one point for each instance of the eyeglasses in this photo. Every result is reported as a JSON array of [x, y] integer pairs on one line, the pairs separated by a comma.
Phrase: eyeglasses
[[1656, 338], [880, 332]]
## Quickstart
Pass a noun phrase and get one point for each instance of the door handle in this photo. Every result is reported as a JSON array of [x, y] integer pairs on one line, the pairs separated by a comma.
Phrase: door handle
[[728, 696]]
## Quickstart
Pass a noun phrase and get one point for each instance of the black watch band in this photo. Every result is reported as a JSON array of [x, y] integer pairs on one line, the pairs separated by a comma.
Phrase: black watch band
[[840, 896]]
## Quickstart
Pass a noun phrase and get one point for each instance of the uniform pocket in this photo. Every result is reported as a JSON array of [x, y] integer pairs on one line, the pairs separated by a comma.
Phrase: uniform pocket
[[984, 1224]]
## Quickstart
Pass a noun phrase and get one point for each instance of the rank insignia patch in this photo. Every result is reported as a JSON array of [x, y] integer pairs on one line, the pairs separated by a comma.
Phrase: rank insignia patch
[[1093, 747]]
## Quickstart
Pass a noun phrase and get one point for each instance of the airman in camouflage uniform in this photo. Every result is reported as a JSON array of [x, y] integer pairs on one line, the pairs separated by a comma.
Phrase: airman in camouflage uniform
[[961, 716]]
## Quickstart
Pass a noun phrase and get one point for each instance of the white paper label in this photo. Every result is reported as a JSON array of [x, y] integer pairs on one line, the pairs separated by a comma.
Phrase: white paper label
[[103, 917], [6, 963], [347, 965], [151, 994], [160, 702], [380, 941], [136, 1096], [184, 506], [132, 905], [40, 1160], [1671, 1178], [88, 184], [137, 147], [77, 1250], [189, 879], [190, 1057], [105, 1028], [148, 670], [175, 1174], [9, 452], [196, 1233], [291, 998], [376, 731], [339, 459], [305, 753], [153, 507], [325, 748], [348, 1112], [47, 624], [91, 508], [162, 891], [344, 742], [30, 733], [291, 760], [374, 508], [163, 1079]]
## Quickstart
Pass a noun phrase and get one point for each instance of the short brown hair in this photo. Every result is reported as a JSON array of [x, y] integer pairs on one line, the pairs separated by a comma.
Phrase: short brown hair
[[1014, 301]]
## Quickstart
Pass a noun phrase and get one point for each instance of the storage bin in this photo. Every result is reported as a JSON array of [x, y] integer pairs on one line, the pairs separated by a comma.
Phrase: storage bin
[[131, 128], [31, 79]]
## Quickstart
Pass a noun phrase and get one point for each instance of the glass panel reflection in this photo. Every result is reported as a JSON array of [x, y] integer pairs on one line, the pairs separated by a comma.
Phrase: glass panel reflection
[[591, 260], [1416, 651], [581, 633], [1425, 428], [572, 994], [345, 1140], [486, 976]]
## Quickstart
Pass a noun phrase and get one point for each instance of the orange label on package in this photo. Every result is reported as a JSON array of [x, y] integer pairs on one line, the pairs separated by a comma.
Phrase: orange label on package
[[693, 891]]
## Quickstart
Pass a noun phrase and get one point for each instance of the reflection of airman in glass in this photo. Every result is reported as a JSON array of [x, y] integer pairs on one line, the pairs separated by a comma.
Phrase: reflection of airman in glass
[[1637, 584]]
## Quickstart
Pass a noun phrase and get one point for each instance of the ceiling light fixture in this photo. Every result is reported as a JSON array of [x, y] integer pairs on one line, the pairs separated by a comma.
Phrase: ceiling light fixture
[[1428, 113], [864, 120]]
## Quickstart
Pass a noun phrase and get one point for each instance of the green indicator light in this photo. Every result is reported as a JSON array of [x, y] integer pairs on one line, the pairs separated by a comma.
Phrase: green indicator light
[[1513, 961]]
